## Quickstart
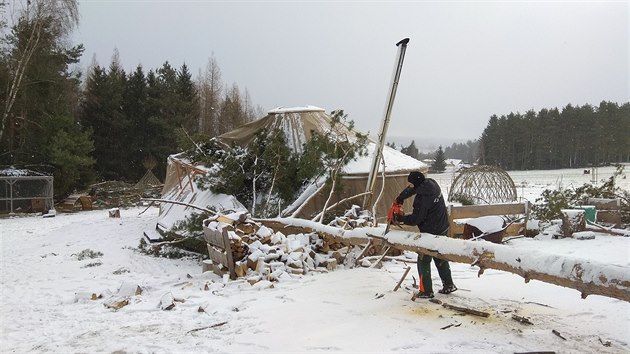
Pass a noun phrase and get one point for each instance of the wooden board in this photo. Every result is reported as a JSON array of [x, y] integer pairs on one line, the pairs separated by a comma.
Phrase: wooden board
[[215, 238], [605, 203], [217, 257], [219, 250], [475, 211]]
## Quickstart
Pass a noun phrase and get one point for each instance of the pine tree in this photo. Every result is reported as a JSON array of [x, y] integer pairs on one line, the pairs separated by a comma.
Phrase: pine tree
[[41, 96], [188, 108], [135, 102], [41, 27], [439, 163], [410, 150]]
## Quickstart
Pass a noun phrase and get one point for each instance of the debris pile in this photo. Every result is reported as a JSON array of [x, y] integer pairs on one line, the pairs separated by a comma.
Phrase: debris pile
[[110, 194]]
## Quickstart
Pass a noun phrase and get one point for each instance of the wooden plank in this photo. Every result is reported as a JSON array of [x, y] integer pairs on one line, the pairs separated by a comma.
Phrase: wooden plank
[[609, 217], [215, 238], [217, 257], [605, 203], [475, 211], [228, 253], [219, 249]]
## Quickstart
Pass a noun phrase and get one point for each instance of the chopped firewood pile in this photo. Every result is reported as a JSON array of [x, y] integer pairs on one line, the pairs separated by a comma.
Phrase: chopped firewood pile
[[260, 253]]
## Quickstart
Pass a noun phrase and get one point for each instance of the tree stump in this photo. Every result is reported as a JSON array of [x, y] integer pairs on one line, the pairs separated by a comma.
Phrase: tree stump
[[573, 220], [114, 213]]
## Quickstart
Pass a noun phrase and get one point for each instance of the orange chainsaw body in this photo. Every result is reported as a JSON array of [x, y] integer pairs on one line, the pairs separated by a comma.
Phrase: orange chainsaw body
[[395, 209]]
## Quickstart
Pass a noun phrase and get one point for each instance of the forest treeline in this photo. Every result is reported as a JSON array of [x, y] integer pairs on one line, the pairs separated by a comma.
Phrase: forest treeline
[[576, 136], [137, 119], [105, 123]]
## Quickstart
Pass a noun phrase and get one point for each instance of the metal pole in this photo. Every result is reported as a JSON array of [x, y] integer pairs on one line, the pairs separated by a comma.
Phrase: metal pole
[[11, 182], [378, 151]]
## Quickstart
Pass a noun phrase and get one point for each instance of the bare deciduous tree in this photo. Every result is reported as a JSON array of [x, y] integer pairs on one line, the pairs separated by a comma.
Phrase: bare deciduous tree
[[210, 86]]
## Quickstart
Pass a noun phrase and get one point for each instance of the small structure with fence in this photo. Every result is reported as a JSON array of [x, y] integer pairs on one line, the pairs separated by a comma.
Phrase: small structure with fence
[[25, 191]]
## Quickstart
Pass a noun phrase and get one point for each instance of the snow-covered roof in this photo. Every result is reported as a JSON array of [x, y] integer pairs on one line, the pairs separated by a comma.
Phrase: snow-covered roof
[[279, 110], [18, 172], [394, 161], [453, 162]]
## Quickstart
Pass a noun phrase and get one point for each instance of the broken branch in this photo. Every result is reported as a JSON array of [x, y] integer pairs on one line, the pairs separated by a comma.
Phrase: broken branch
[[558, 334], [521, 319], [180, 203], [466, 310], [402, 278], [207, 327]]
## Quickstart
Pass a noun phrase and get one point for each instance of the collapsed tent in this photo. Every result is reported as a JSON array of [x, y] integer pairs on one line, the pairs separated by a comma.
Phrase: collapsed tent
[[180, 188], [298, 125]]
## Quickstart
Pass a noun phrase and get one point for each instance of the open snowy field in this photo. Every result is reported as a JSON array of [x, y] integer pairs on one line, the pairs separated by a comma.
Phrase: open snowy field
[[46, 305], [530, 184]]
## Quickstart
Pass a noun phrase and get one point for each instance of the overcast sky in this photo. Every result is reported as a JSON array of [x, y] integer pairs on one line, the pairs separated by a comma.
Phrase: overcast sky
[[466, 60]]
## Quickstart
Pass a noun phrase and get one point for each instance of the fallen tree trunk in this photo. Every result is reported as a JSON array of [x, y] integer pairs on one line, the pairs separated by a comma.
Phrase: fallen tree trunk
[[589, 277]]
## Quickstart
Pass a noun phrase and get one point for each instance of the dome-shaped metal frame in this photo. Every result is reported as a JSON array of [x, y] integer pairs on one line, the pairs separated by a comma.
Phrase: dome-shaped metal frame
[[483, 185]]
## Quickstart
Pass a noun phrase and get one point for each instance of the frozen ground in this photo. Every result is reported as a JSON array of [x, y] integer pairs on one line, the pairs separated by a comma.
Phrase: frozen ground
[[46, 305]]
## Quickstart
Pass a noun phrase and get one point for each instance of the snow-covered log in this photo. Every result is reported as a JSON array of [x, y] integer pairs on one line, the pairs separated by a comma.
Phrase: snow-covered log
[[587, 276]]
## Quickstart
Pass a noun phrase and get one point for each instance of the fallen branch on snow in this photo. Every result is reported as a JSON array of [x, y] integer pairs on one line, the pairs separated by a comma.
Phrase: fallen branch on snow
[[466, 310], [521, 319], [207, 327], [181, 203]]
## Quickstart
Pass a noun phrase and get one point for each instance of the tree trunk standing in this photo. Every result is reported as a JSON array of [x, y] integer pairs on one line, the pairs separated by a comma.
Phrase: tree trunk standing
[[16, 81], [572, 221]]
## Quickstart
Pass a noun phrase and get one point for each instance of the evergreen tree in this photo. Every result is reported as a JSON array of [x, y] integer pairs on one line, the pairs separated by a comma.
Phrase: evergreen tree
[[466, 152], [188, 109], [410, 150], [439, 163], [41, 95], [40, 27], [135, 102], [102, 113], [550, 139]]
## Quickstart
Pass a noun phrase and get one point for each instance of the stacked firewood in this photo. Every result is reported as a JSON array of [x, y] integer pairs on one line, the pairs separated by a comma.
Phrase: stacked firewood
[[271, 255], [260, 253]]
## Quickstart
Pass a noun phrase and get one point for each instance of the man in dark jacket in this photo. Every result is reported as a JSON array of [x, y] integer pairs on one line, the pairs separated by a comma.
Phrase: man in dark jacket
[[430, 215]]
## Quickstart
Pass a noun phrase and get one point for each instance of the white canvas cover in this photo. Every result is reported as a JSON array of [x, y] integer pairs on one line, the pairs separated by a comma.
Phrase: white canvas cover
[[298, 123], [179, 186]]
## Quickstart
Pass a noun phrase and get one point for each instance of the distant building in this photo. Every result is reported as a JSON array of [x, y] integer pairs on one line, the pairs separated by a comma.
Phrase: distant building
[[454, 163]]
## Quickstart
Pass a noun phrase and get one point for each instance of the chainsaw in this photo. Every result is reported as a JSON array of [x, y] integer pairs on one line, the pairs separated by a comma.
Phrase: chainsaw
[[395, 210]]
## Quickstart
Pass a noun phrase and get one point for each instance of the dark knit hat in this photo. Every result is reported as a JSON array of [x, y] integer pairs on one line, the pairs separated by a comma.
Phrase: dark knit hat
[[415, 178]]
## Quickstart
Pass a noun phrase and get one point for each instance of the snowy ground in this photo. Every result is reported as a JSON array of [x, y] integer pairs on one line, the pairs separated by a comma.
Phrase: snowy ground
[[530, 184], [46, 307]]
